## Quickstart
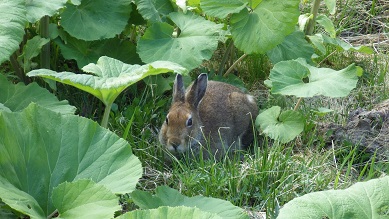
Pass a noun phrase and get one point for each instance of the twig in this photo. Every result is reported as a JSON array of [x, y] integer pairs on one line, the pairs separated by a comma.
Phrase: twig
[[233, 65]]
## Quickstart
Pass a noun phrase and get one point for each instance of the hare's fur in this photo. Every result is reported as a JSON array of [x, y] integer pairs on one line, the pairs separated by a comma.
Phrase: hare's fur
[[209, 114]]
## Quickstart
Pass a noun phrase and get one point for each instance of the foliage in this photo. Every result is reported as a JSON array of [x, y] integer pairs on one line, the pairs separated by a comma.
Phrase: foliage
[[363, 200]]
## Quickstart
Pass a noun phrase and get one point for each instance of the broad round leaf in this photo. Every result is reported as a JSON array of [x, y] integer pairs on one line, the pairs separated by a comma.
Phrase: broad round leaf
[[96, 19], [363, 200], [84, 199], [165, 196], [197, 41], [293, 47], [171, 213], [36, 9], [282, 127], [154, 10], [16, 97], [110, 77], [221, 9], [40, 149], [265, 27], [12, 23]]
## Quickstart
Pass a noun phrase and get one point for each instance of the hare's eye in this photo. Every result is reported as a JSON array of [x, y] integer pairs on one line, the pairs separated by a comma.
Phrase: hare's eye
[[167, 120], [189, 122]]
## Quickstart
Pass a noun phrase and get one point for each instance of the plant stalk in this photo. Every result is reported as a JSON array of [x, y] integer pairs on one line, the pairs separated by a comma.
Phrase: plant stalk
[[18, 69], [107, 110], [45, 52], [312, 22], [225, 57], [233, 65]]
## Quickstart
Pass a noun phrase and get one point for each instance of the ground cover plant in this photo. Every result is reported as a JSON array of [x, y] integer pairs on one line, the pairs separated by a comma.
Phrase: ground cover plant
[[294, 56]]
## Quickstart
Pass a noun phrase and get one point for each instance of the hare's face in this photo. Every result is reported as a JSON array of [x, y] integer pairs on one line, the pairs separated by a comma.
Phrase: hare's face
[[178, 129]]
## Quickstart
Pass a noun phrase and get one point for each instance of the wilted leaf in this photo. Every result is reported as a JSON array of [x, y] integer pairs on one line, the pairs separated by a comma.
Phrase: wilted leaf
[[16, 97], [96, 19], [179, 212], [12, 23], [196, 42], [84, 199], [282, 127], [296, 77], [40, 149], [265, 27], [363, 200], [165, 196]]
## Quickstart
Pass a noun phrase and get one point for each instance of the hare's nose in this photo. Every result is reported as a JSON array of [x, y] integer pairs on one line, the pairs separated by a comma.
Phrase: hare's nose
[[175, 145]]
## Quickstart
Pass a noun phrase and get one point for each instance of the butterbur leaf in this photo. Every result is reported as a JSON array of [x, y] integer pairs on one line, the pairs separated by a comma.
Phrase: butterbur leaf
[[363, 200], [221, 9], [282, 127], [16, 97], [293, 47], [109, 76], [171, 213], [12, 23], [36, 9], [165, 196], [265, 27], [96, 19], [154, 10], [84, 199], [40, 149], [296, 77], [196, 42]]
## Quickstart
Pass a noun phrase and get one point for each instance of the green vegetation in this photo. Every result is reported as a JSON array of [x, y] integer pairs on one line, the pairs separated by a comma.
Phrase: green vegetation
[[308, 63]]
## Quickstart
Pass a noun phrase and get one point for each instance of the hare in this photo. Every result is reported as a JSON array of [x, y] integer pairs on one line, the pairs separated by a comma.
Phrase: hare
[[209, 115]]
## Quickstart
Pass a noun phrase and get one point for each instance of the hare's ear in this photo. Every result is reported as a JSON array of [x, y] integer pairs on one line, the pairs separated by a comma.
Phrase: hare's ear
[[197, 90], [178, 89]]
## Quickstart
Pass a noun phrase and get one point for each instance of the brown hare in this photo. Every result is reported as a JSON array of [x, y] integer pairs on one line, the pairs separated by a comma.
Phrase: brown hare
[[210, 117]]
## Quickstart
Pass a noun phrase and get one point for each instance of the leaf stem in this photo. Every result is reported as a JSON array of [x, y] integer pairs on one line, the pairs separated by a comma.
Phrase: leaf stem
[[53, 214], [225, 57], [314, 11], [233, 65], [298, 103], [45, 52], [107, 110]]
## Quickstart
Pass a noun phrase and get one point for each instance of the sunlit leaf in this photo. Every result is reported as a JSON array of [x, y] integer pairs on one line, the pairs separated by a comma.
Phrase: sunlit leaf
[[36, 9]]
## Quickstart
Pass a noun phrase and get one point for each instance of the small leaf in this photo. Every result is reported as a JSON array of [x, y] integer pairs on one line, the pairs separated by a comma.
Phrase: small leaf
[[31, 50], [363, 200], [36, 9], [96, 19], [110, 77], [12, 23], [265, 27], [171, 213], [165, 196], [221, 9], [322, 111], [197, 41], [324, 21], [289, 78], [293, 47], [331, 5], [16, 97], [84, 199], [282, 127]]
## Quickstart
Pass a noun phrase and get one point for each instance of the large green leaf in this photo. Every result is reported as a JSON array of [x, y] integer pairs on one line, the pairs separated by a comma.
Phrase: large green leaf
[[266, 26], [96, 19], [85, 52], [282, 127], [165, 196], [196, 42], [12, 23], [110, 77], [36, 9], [84, 199], [363, 200], [293, 47], [179, 212], [16, 97], [40, 149], [221, 9], [154, 10], [296, 77]]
